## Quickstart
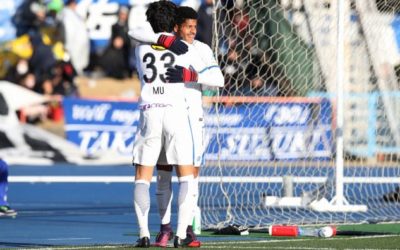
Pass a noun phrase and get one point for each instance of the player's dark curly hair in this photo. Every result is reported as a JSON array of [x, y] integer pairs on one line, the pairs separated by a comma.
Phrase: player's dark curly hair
[[185, 12], [162, 16]]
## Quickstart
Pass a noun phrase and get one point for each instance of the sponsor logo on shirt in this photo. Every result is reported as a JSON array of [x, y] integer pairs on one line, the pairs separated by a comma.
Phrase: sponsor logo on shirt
[[157, 47], [154, 105]]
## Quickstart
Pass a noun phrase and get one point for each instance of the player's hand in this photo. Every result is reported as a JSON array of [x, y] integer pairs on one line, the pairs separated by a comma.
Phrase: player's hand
[[173, 43], [181, 74]]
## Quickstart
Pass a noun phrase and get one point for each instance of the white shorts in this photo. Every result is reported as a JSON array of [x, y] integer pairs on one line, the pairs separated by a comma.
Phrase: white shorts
[[197, 127], [166, 128]]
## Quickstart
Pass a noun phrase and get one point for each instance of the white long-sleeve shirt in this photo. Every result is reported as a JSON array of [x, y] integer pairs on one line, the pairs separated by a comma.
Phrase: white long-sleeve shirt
[[77, 39]]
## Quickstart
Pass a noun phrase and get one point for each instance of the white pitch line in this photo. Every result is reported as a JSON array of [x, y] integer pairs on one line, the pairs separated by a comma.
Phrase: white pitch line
[[70, 238], [263, 247], [368, 237], [208, 179], [258, 241], [368, 249], [87, 247], [309, 248], [297, 240]]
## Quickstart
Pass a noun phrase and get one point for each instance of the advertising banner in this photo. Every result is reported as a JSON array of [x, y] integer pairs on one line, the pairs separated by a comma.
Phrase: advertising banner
[[256, 131], [270, 131], [98, 126]]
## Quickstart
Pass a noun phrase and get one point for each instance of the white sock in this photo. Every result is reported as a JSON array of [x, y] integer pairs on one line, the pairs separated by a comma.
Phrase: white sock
[[185, 204], [141, 201], [164, 195], [195, 198]]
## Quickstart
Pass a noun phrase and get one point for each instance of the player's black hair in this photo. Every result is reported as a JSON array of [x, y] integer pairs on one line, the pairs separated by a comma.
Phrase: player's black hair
[[184, 13], [162, 15]]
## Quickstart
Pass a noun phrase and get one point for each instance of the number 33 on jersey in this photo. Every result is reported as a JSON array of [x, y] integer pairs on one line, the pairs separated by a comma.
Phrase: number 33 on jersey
[[153, 62]]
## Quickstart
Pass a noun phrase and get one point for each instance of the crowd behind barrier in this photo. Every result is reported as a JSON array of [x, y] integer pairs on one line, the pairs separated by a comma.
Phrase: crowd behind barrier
[[49, 43], [58, 40]]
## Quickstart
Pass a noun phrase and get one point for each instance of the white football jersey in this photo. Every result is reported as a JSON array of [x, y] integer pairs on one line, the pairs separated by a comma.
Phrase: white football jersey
[[152, 62]]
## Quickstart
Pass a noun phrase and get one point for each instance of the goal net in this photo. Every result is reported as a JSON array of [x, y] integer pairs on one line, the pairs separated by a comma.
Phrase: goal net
[[306, 129]]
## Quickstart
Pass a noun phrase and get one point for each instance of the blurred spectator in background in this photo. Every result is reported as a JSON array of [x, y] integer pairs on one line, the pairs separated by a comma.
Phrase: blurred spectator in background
[[28, 81], [241, 21], [63, 79], [261, 78], [233, 70], [18, 71], [120, 31], [116, 57], [41, 63], [77, 42], [53, 26], [260, 84], [5, 209], [29, 17], [205, 22]]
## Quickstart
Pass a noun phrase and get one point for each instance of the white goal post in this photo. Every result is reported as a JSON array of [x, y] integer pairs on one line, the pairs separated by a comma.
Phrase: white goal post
[[305, 129]]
